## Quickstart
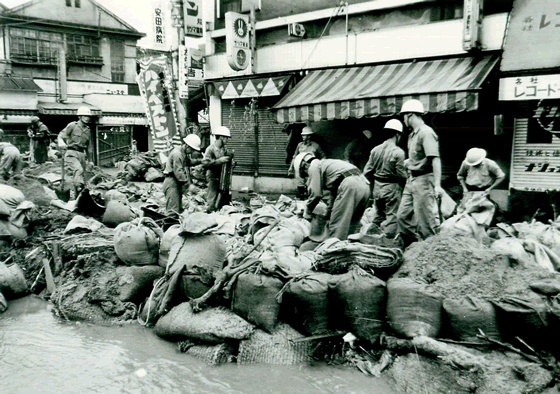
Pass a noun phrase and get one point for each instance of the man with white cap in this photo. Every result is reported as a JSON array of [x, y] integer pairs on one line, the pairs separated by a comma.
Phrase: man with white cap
[[177, 173], [305, 146], [418, 213], [478, 173], [344, 182], [215, 156], [385, 168]]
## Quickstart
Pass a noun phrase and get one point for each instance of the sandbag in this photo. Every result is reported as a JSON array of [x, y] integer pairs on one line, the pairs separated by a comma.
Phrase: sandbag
[[413, 309], [550, 237], [285, 263], [202, 255], [114, 195], [153, 175], [9, 230], [305, 303], [137, 242], [254, 298], [211, 354], [193, 287], [165, 244], [117, 213], [136, 282], [213, 325], [358, 303], [467, 315], [3, 303], [10, 198], [12, 280], [514, 249]]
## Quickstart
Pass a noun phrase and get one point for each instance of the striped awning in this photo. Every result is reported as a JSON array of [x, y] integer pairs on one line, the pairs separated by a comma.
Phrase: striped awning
[[252, 87], [66, 108], [445, 85]]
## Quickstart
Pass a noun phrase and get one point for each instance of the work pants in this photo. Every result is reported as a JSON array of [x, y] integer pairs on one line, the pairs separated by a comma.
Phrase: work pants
[[10, 162], [349, 206], [386, 198], [172, 190], [40, 151], [212, 194], [74, 169], [417, 216]]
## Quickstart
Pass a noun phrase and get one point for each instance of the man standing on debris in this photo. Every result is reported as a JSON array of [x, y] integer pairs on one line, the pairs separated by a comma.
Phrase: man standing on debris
[[75, 139], [215, 156], [10, 158], [359, 149], [478, 173], [417, 216], [177, 173], [385, 169], [305, 146], [348, 187], [40, 138]]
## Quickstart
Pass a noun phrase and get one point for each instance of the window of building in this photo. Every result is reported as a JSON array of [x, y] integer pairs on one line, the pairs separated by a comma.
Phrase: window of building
[[228, 5], [83, 49], [68, 3], [32, 46], [117, 60], [77, 3]]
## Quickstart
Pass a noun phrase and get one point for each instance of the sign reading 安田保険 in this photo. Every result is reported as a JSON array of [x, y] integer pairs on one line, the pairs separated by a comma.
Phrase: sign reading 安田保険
[[238, 47], [193, 17], [535, 87]]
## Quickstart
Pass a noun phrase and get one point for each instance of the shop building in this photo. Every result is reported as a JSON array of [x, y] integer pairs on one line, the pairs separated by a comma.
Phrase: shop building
[[347, 68], [56, 56]]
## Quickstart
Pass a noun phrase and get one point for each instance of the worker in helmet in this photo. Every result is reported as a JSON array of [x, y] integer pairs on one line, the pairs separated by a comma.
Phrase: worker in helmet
[[357, 151], [215, 156], [346, 184], [40, 137], [306, 145], [417, 217], [385, 169], [75, 140], [10, 158], [177, 173]]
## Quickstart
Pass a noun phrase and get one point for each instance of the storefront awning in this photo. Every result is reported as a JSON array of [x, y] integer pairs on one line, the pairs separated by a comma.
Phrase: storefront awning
[[65, 108], [533, 34], [445, 85], [12, 82], [252, 87]]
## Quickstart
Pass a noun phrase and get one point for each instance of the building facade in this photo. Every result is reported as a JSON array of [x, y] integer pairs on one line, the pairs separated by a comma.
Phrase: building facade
[[345, 67], [58, 55]]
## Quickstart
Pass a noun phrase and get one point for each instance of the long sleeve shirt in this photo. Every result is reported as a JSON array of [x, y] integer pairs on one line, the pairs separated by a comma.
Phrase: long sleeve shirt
[[386, 161], [178, 163], [76, 135], [212, 154]]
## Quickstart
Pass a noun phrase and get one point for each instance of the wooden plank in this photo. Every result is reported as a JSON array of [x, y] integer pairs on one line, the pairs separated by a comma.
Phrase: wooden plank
[[49, 276]]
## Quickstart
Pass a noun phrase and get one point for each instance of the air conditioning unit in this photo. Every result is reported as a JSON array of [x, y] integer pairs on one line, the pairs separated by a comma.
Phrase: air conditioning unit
[[296, 30]]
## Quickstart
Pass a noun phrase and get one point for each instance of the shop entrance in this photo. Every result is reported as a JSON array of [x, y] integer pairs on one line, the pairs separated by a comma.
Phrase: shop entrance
[[113, 144]]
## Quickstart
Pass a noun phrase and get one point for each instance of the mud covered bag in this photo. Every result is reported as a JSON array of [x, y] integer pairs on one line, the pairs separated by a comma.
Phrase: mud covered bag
[[467, 315], [412, 309], [200, 254], [137, 242], [116, 213], [358, 303], [165, 244], [254, 298], [12, 280], [10, 198]]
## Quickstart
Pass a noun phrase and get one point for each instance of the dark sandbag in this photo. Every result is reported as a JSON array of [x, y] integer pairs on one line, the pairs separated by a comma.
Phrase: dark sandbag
[[117, 213], [211, 354], [165, 244], [137, 242], [358, 303], [305, 303], [254, 298], [193, 286], [412, 309], [466, 315], [213, 325], [135, 283], [12, 280], [525, 318], [202, 255]]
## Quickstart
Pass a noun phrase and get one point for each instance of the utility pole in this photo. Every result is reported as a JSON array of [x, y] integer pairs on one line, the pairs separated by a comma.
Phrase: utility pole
[[178, 40]]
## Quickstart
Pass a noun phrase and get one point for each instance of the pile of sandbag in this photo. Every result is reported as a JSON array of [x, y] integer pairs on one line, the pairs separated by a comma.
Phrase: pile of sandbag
[[145, 166], [14, 211]]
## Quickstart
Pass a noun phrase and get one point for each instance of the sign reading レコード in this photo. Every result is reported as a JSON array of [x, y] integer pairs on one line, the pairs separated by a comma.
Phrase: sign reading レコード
[[530, 88]]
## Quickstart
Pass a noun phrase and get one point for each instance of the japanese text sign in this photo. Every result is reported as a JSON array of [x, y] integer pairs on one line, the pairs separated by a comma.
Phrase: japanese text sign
[[158, 21], [530, 88], [238, 47], [193, 17]]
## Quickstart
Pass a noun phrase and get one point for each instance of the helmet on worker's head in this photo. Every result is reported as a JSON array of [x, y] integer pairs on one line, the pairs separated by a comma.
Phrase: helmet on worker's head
[[475, 156], [307, 131], [413, 106], [304, 157], [83, 111], [34, 119], [222, 130], [367, 134], [394, 124], [193, 141]]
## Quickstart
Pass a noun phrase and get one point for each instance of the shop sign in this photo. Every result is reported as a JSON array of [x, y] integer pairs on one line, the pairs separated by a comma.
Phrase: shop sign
[[472, 23], [530, 88], [238, 47], [158, 20], [190, 69], [193, 18]]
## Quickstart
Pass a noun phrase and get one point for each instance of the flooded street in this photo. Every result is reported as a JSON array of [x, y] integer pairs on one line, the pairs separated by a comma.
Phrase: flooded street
[[41, 354]]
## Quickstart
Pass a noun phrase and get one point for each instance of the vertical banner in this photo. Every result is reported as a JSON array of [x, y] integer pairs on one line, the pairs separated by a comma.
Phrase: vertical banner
[[183, 72], [193, 18], [154, 81], [191, 73], [238, 48], [158, 23]]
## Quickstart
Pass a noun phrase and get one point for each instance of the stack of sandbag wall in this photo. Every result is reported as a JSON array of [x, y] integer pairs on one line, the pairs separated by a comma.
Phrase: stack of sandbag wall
[[137, 242]]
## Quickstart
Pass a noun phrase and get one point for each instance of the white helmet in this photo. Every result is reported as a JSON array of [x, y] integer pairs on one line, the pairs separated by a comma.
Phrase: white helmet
[[222, 130], [394, 124], [193, 141], [307, 131], [83, 111], [475, 156], [300, 158], [413, 105]]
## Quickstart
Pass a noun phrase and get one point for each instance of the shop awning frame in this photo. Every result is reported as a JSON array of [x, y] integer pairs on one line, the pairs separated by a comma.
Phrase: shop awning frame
[[251, 87], [443, 85], [69, 109]]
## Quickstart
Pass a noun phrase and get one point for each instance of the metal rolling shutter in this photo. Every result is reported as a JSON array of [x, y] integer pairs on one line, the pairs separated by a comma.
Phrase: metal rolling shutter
[[242, 140]]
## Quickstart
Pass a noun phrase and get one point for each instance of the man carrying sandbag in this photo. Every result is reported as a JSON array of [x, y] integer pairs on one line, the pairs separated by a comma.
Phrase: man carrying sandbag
[[10, 158], [177, 173], [348, 187]]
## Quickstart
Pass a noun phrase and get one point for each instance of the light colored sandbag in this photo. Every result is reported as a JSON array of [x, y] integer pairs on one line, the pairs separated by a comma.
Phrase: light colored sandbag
[[166, 242], [117, 213], [153, 175], [114, 195], [203, 254], [9, 229], [10, 198], [135, 282], [213, 325], [12, 280], [137, 242]]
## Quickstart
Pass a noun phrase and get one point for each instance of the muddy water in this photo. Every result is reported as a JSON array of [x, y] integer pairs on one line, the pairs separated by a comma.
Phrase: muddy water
[[41, 354]]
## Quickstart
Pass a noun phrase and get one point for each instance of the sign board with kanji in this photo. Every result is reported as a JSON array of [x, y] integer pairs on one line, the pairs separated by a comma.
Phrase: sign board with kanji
[[238, 48], [193, 18], [191, 73], [158, 23], [536, 87]]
